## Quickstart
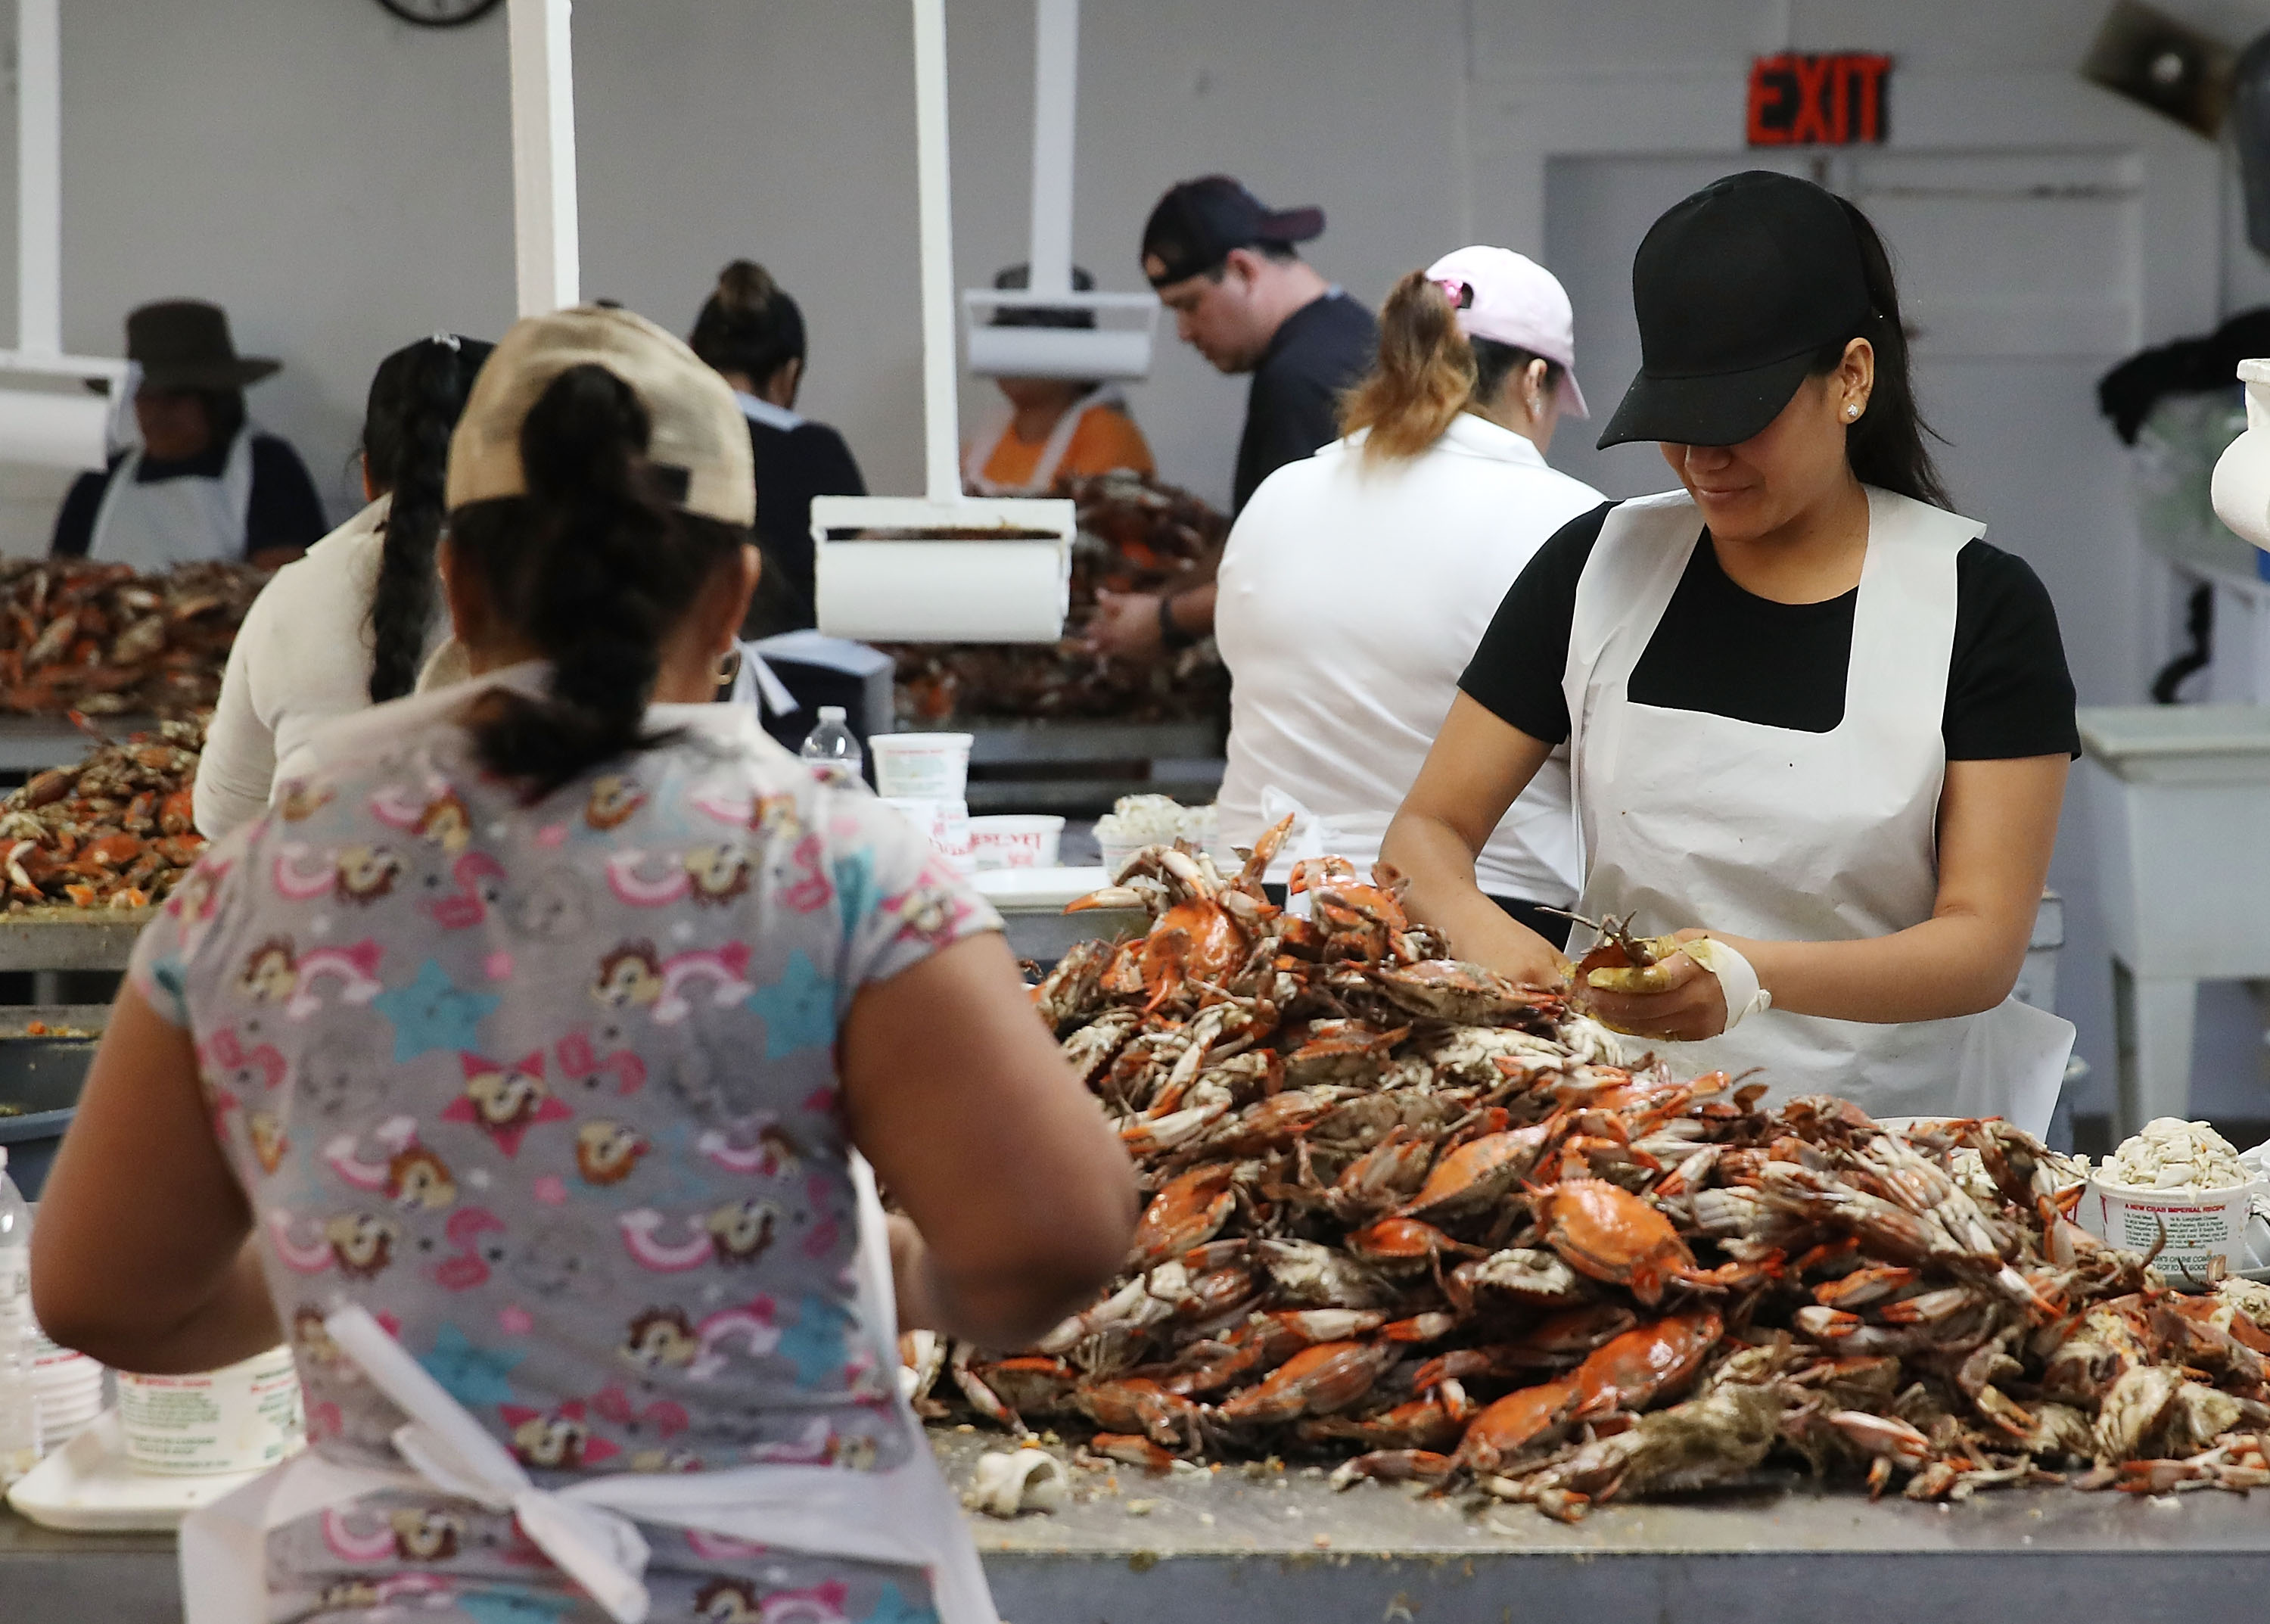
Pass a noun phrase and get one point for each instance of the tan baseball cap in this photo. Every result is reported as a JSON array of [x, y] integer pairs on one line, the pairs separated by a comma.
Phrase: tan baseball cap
[[697, 426]]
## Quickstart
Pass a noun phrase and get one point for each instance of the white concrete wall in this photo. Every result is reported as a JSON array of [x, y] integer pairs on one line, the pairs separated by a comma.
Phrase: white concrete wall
[[340, 180]]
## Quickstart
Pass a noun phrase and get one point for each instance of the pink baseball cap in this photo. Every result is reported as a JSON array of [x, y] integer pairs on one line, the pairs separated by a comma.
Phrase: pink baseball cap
[[1508, 297]]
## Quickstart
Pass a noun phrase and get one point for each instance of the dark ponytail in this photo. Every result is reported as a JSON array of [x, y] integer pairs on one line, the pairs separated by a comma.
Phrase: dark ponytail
[[749, 324], [415, 402], [594, 568], [1886, 448], [1429, 371]]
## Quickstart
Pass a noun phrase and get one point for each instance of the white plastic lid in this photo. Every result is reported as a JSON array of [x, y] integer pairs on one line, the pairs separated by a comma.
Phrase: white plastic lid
[[831, 712]]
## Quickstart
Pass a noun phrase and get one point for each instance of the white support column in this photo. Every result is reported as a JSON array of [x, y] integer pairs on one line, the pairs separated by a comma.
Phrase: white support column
[[941, 406], [1056, 99], [39, 179], [547, 249]]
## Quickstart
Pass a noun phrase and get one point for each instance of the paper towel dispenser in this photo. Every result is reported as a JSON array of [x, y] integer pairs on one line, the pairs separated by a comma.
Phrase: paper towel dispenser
[[887, 570]]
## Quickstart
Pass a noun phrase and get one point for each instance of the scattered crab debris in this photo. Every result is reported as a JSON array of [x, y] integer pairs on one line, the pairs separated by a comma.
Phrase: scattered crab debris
[[1415, 1223]]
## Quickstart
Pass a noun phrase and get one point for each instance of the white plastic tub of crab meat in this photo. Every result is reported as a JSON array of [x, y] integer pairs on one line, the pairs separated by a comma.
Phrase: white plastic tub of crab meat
[[2205, 1229], [238, 1418]]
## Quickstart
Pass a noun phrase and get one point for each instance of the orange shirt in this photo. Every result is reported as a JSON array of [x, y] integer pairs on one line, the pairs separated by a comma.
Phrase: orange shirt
[[1106, 440]]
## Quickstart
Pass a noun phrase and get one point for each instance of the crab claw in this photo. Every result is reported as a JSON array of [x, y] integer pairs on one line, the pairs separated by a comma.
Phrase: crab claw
[[1108, 896]]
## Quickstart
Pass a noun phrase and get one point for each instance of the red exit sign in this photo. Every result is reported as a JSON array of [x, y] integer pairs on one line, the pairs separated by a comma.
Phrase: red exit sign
[[1833, 100]]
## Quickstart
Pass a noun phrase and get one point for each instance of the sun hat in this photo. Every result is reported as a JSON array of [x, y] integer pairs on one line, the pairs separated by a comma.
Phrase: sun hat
[[184, 344]]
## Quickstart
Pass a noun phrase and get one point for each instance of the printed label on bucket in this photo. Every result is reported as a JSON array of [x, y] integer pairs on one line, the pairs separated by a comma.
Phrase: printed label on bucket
[[2200, 1235]]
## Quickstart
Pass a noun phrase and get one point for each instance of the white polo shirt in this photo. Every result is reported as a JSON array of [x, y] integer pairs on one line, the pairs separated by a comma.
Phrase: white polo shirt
[[1351, 597]]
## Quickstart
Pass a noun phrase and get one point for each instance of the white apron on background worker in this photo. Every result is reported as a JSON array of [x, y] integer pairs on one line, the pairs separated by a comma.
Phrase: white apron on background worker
[[1765, 832], [185, 520]]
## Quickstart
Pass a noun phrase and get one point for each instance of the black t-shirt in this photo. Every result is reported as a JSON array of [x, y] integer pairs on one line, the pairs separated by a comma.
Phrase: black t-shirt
[[282, 511], [1293, 407], [1726, 652], [794, 464]]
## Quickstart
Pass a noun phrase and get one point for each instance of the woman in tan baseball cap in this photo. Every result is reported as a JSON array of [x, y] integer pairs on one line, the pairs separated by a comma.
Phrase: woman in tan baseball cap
[[584, 999]]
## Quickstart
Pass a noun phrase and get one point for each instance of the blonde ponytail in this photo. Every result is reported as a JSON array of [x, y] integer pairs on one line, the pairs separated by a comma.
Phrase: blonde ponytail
[[1424, 378]]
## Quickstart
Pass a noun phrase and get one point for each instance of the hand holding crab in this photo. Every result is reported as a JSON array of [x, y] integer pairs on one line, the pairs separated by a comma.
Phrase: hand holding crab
[[1661, 987]]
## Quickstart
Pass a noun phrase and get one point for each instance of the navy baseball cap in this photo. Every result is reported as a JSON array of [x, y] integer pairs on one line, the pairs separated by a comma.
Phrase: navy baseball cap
[[1198, 222], [1737, 289]]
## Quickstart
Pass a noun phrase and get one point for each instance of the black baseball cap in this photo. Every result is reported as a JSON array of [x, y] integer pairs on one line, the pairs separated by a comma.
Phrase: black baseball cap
[[1737, 289], [1198, 222]]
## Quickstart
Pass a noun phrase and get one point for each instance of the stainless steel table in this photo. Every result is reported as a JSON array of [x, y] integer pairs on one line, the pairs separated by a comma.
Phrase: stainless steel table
[[33, 744], [1270, 1546]]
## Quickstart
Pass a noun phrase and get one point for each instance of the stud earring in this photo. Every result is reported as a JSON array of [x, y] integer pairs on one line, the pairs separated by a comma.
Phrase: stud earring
[[1851, 410]]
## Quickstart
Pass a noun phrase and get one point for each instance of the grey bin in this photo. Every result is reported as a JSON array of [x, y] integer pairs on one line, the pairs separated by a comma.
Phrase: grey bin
[[41, 1076]]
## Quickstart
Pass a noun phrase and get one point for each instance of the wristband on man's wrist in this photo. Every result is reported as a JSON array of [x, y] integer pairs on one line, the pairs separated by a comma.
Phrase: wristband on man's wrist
[[1170, 630]]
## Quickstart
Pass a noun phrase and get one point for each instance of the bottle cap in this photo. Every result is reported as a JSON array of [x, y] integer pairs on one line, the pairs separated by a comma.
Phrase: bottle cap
[[831, 712]]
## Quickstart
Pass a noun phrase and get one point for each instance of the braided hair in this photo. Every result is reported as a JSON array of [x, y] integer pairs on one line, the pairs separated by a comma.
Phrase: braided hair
[[594, 568], [415, 402]]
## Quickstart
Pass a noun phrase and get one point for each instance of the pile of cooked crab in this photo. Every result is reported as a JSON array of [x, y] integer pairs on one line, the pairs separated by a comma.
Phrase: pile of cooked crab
[[1411, 1220], [115, 831], [101, 640]]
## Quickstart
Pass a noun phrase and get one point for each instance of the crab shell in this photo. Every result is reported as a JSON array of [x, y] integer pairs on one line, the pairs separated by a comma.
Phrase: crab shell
[[1188, 1212], [1522, 1418], [1612, 1235], [1316, 1381], [1480, 1172], [1650, 1362]]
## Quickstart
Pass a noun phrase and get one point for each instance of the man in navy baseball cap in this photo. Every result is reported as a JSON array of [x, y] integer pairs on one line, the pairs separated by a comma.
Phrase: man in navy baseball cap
[[1226, 264]]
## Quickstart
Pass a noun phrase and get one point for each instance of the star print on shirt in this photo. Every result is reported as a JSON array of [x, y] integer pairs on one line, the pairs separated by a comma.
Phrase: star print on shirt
[[892, 1608], [798, 1010], [431, 1012], [815, 1342], [475, 1377]]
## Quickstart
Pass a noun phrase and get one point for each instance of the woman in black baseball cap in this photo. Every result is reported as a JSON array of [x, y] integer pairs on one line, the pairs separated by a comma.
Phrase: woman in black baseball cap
[[1817, 726]]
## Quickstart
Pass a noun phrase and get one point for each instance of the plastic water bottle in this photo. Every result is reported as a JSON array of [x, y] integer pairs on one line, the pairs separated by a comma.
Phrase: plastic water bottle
[[832, 750], [20, 1407]]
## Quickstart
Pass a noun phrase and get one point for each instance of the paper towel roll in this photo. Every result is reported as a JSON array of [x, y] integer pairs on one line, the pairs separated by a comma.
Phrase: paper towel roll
[[54, 429], [943, 591]]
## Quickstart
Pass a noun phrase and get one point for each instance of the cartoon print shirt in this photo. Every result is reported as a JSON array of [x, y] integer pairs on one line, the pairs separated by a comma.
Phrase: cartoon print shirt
[[551, 1090]]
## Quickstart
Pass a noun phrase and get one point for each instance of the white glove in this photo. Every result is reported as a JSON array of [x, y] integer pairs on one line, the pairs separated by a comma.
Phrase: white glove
[[1738, 979]]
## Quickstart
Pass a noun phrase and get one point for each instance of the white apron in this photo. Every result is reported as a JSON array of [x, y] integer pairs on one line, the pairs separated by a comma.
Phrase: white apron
[[907, 1515], [188, 520], [1043, 479], [1694, 820]]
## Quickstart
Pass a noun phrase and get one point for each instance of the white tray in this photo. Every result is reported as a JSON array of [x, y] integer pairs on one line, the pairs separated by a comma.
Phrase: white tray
[[90, 1487], [1037, 890]]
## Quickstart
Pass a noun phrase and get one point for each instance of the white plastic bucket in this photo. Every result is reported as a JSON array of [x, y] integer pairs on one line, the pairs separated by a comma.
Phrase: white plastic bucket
[[1015, 842], [929, 766], [944, 823], [2202, 1226], [241, 1419]]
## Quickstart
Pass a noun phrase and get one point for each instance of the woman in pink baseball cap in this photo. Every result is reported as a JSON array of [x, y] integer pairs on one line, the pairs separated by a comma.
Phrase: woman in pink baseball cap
[[1358, 581]]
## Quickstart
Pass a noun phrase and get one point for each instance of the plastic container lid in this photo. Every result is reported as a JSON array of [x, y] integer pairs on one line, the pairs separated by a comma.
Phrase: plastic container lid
[[832, 713]]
